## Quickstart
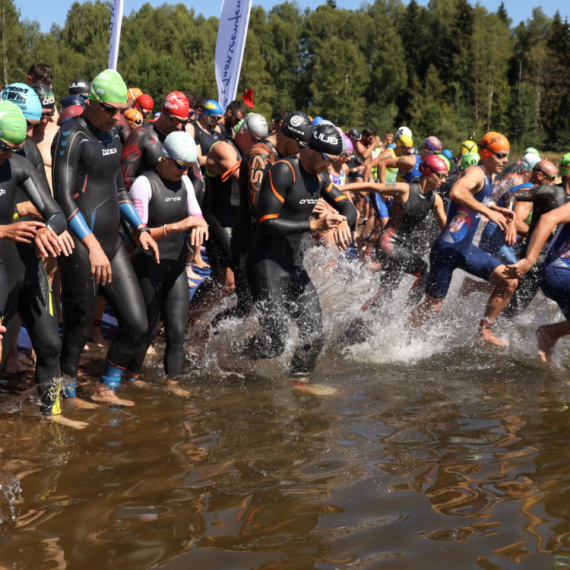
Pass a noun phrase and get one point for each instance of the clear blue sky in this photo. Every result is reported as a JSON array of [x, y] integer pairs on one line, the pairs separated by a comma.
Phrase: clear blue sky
[[55, 11]]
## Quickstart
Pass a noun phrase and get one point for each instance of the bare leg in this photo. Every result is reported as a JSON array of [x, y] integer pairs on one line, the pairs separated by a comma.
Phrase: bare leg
[[198, 261], [429, 306], [108, 396], [13, 364], [547, 336], [471, 286], [63, 421], [79, 404], [96, 335]]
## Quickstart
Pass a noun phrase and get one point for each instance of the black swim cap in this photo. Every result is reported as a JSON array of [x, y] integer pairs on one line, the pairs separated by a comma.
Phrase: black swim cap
[[354, 134], [326, 139], [72, 100], [79, 86], [298, 126], [47, 98]]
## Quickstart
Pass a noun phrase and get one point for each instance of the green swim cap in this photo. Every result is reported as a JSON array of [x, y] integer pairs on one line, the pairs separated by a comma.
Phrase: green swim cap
[[108, 86], [565, 165], [446, 160], [469, 159], [531, 150], [13, 126]]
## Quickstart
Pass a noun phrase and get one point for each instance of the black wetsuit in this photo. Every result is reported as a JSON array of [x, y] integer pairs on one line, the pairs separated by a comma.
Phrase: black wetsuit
[[254, 165], [226, 133], [223, 201], [164, 286], [395, 249], [205, 140], [544, 199], [89, 186], [279, 282], [29, 292], [123, 128]]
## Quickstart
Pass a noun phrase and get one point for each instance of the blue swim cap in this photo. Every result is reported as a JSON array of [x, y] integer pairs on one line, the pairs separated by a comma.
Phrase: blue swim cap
[[447, 153], [26, 98], [391, 145], [317, 120], [212, 107]]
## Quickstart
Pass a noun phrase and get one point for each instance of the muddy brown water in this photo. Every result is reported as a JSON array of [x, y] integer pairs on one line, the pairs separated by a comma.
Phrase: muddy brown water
[[434, 453]]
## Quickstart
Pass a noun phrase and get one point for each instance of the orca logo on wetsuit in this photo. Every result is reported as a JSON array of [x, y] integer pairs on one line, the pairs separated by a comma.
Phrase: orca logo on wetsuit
[[173, 199], [308, 201], [108, 151]]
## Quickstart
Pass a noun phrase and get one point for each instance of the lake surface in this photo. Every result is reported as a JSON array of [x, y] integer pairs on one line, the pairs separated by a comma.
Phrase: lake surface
[[434, 452]]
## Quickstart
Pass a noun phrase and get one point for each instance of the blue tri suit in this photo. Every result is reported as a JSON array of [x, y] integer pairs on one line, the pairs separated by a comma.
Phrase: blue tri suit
[[555, 273], [454, 248]]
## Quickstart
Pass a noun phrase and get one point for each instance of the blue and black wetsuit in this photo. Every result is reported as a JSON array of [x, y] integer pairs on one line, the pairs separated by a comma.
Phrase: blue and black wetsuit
[[28, 289], [414, 173], [88, 184], [279, 282], [555, 272], [454, 248]]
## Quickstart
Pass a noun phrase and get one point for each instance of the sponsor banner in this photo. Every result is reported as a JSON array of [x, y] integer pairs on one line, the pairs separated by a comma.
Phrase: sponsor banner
[[232, 33], [116, 23]]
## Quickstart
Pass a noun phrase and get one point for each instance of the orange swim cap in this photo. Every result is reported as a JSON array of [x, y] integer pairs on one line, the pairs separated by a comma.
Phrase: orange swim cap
[[134, 93], [134, 118], [492, 143]]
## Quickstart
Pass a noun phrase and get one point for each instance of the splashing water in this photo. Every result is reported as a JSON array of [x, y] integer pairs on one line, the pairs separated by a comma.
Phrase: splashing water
[[11, 492]]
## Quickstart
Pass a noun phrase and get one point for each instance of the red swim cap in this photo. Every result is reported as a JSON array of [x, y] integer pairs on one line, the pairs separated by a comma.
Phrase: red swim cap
[[433, 164], [177, 105], [144, 103]]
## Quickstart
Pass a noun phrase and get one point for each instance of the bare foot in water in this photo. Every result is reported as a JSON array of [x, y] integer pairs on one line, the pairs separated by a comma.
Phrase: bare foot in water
[[98, 338], [172, 386], [138, 383], [546, 344], [303, 385], [79, 404], [488, 336], [13, 364], [108, 396], [63, 421]]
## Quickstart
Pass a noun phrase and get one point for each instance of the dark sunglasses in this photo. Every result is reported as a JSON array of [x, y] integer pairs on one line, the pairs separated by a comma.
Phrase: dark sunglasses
[[109, 109], [29, 125], [138, 122], [440, 175], [536, 169], [5, 148], [175, 120], [191, 113], [327, 158], [48, 114]]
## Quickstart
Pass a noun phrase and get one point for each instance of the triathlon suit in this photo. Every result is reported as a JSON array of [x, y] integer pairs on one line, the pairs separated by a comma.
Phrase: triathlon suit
[[280, 283], [454, 248], [395, 249], [225, 132], [223, 200], [123, 128], [555, 273], [391, 173], [165, 285], [414, 173], [544, 199], [29, 292], [89, 186], [254, 166]]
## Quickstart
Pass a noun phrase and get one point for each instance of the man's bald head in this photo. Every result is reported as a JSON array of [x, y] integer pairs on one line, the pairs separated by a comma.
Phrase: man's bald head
[[546, 170]]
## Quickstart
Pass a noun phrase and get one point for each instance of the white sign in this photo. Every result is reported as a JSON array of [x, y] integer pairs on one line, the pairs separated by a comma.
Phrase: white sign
[[116, 23]]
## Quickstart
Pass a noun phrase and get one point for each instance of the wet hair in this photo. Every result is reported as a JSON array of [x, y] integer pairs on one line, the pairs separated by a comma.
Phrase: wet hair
[[237, 107], [369, 132], [193, 99], [41, 73]]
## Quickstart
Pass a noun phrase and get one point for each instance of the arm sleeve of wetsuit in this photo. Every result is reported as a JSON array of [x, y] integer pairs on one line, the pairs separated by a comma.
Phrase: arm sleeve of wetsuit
[[132, 156], [140, 194], [39, 194], [338, 200], [274, 188], [192, 206], [37, 160], [126, 206], [65, 152]]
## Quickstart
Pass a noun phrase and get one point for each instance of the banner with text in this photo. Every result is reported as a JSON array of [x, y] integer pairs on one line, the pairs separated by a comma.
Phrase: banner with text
[[232, 34], [116, 23]]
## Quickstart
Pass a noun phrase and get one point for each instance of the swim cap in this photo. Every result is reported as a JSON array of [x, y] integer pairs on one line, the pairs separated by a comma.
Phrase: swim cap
[[212, 107], [347, 146], [446, 160], [79, 86], [493, 142], [405, 140], [255, 124], [468, 146], [403, 131], [391, 145], [564, 165], [447, 153], [431, 164], [529, 160], [70, 113], [469, 159], [180, 147], [13, 126], [298, 126], [26, 98], [325, 138], [144, 103], [72, 100], [108, 86], [317, 120], [47, 98], [531, 150], [433, 144], [132, 116], [354, 134], [176, 104], [134, 93]]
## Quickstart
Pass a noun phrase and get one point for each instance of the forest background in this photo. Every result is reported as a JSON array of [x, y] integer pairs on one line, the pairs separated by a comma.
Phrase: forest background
[[451, 69]]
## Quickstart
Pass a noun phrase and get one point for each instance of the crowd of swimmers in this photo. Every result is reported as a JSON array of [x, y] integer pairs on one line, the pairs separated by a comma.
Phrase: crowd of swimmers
[[109, 202]]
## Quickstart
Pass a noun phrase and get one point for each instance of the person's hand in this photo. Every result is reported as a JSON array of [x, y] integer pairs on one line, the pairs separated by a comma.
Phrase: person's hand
[[320, 209], [148, 243], [66, 243], [327, 222], [199, 235], [23, 232], [342, 236], [518, 270], [498, 217], [47, 243], [28, 209], [511, 234], [101, 271], [187, 224]]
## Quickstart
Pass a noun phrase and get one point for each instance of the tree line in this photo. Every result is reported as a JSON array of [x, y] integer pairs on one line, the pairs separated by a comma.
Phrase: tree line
[[450, 69]]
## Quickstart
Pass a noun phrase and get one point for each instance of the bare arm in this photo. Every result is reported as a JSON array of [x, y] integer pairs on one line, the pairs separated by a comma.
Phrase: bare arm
[[439, 212]]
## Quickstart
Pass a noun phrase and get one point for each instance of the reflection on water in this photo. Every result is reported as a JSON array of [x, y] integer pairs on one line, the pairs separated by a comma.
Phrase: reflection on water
[[435, 453]]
